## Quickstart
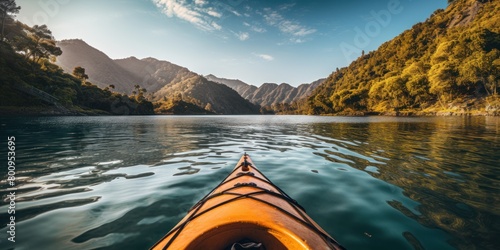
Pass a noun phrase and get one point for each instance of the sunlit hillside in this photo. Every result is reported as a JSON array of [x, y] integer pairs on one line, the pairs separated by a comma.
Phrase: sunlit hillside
[[448, 64]]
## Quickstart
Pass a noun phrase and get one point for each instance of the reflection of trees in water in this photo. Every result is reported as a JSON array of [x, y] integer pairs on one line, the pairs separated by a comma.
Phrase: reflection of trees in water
[[448, 165]]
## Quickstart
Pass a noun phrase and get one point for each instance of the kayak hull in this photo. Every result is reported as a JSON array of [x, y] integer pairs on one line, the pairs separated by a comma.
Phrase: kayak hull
[[246, 206]]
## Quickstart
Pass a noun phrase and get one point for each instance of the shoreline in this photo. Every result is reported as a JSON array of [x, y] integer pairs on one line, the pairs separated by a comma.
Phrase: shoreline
[[53, 111]]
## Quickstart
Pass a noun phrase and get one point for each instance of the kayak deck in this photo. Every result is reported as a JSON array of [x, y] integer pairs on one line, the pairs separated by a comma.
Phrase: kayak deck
[[247, 206]]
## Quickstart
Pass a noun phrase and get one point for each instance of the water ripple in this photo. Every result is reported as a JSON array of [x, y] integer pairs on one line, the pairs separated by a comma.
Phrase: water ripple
[[422, 183]]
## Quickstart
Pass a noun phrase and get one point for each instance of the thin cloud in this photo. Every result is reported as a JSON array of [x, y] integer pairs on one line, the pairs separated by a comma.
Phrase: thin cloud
[[208, 16], [243, 36], [254, 28], [294, 28], [214, 13], [273, 18], [216, 26], [289, 27], [284, 7], [201, 17], [200, 2], [236, 13], [258, 29], [265, 57], [296, 40]]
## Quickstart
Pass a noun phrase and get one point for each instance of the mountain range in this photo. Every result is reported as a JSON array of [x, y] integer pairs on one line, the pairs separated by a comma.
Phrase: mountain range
[[162, 80], [268, 93], [101, 69], [449, 63]]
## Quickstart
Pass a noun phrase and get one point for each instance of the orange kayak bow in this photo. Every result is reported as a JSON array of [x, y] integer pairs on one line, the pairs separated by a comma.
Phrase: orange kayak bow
[[247, 211]]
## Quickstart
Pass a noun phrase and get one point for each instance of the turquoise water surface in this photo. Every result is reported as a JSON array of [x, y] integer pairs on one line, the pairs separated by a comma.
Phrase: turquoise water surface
[[370, 182]]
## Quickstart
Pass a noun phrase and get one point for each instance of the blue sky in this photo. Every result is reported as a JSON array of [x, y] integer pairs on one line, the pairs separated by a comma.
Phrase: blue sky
[[256, 41]]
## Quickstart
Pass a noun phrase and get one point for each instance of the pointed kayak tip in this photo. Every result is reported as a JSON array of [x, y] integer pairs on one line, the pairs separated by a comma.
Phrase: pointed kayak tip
[[246, 207]]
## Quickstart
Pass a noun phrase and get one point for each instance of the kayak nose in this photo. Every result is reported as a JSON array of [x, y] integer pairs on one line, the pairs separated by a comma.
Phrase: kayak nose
[[246, 205]]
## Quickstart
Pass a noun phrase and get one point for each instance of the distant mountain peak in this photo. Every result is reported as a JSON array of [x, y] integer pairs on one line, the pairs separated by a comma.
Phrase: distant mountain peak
[[268, 93], [75, 40], [152, 59], [101, 69], [164, 81], [267, 84], [131, 58]]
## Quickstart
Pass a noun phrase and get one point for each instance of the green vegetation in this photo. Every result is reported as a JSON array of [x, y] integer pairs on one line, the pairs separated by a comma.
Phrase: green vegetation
[[449, 63], [178, 106], [79, 73], [209, 97], [7, 8], [31, 84]]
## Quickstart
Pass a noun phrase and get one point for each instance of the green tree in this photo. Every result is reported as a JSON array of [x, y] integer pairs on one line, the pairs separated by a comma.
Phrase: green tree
[[443, 72], [138, 93], [377, 93], [349, 98], [442, 78], [396, 91], [7, 8], [391, 91], [417, 83], [79, 73], [319, 104], [482, 68], [209, 107], [36, 43]]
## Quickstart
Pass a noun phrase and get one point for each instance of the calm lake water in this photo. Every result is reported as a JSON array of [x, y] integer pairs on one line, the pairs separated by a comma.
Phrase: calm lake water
[[371, 182]]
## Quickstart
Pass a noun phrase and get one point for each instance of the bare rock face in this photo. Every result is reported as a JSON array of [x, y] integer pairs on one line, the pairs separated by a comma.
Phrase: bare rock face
[[466, 16]]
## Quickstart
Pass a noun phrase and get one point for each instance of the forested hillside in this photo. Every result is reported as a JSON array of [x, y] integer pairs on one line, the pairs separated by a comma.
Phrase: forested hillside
[[448, 64], [30, 84]]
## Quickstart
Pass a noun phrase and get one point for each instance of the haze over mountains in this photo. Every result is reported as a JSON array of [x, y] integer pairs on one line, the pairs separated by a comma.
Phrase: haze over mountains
[[102, 70], [161, 79], [269, 93]]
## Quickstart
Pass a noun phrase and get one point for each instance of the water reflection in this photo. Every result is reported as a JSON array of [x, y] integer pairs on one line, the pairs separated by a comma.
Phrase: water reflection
[[123, 182], [449, 166]]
